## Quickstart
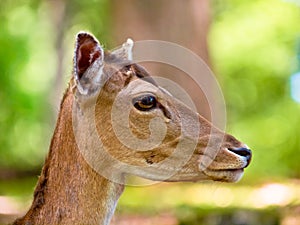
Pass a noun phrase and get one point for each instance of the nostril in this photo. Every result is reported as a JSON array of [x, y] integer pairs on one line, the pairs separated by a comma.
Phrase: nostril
[[245, 152]]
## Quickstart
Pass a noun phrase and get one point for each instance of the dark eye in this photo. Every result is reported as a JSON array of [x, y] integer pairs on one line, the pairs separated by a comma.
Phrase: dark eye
[[145, 103]]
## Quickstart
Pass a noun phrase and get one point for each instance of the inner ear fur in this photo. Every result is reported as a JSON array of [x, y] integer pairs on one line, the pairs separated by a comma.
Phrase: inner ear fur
[[87, 51]]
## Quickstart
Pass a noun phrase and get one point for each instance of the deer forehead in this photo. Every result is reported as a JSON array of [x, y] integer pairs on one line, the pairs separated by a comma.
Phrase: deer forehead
[[139, 86]]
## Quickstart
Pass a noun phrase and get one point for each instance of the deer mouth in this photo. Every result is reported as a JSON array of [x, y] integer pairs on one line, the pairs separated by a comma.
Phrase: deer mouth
[[217, 172], [225, 175], [227, 166]]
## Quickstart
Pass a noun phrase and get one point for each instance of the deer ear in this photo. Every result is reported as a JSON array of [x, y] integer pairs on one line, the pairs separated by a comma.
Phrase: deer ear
[[125, 51], [88, 62]]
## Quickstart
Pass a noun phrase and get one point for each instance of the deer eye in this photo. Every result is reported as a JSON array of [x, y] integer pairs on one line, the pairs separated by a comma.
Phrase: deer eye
[[145, 103]]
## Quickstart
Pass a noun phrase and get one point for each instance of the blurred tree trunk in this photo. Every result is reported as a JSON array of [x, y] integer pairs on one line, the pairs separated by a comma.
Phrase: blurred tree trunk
[[59, 18], [185, 22]]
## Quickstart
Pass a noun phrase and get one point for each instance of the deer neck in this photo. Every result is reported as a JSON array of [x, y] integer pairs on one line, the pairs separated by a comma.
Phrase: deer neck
[[69, 191]]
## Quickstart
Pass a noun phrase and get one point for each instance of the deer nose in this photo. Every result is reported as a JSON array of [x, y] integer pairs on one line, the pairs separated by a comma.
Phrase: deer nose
[[244, 152]]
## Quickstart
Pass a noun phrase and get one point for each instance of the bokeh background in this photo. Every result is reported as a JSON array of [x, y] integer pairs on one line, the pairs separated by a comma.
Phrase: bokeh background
[[253, 47]]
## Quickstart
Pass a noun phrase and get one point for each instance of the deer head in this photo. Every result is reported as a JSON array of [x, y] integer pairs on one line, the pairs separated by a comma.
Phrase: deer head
[[125, 123]]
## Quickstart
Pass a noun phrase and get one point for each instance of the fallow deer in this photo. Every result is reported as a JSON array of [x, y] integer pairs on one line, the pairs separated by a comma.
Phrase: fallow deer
[[72, 188]]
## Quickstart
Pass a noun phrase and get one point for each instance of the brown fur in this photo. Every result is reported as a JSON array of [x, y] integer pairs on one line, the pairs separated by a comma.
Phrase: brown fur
[[70, 191]]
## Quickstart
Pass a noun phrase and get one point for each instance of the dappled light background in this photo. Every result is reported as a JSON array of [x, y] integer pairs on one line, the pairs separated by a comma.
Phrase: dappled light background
[[252, 47]]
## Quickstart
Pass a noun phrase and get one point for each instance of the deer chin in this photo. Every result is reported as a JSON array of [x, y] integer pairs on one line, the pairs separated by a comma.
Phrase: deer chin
[[230, 175]]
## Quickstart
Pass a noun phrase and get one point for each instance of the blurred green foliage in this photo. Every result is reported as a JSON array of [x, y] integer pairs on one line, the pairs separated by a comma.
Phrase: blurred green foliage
[[28, 63], [254, 53], [252, 44], [22, 102]]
